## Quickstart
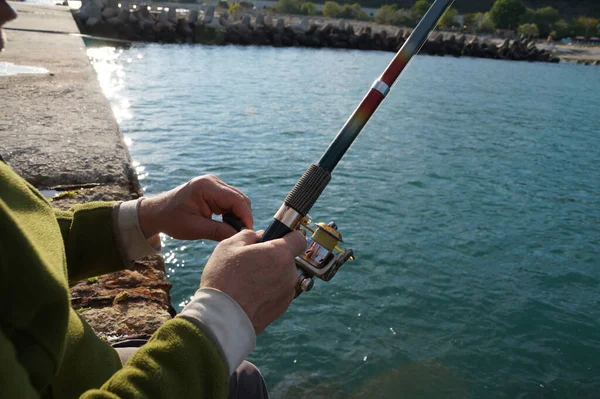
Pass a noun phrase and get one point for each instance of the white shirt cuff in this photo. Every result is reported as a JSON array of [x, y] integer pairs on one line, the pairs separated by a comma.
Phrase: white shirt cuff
[[130, 238], [223, 321]]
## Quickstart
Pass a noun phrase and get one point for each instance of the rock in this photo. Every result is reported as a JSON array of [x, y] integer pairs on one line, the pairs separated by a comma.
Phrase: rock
[[342, 24], [91, 21], [210, 33], [163, 22], [325, 30], [94, 15], [183, 28], [245, 20], [280, 25], [87, 10], [145, 19], [208, 15], [269, 20], [193, 16], [172, 15], [109, 12], [112, 4], [123, 15], [260, 19], [399, 40], [129, 304], [121, 19], [302, 27]]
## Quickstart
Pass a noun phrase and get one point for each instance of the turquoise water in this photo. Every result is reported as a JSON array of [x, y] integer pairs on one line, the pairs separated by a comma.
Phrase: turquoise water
[[471, 200]]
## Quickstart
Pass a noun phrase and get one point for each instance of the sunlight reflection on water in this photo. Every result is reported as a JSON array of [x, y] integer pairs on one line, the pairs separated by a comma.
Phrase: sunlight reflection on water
[[111, 77]]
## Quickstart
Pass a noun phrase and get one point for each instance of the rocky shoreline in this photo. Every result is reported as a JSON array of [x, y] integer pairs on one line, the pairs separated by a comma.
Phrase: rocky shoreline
[[105, 18]]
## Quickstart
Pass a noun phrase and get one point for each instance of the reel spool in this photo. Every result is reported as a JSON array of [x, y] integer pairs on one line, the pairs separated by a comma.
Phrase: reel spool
[[322, 258]]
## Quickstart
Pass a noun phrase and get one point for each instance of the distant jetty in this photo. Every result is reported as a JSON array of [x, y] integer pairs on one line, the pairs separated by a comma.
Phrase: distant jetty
[[105, 18]]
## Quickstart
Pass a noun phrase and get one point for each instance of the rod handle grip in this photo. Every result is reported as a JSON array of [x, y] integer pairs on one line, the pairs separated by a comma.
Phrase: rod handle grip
[[275, 230], [234, 221]]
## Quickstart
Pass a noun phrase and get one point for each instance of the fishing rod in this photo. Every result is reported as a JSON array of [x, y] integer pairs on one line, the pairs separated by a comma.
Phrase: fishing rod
[[319, 259]]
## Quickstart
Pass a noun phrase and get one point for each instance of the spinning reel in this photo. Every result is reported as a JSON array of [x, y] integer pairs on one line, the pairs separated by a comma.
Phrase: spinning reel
[[322, 257]]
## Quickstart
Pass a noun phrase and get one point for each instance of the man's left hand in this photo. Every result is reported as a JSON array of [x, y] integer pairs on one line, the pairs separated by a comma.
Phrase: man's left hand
[[185, 212]]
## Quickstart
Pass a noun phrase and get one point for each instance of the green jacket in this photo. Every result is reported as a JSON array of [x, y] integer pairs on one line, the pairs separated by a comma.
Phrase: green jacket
[[46, 349]]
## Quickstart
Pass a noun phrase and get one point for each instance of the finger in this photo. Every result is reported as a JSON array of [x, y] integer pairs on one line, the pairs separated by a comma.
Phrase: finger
[[245, 198], [240, 192], [245, 237], [294, 243], [215, 231], [224, 198]]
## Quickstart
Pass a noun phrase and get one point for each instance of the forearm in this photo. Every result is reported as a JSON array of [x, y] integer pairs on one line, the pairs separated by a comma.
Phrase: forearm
[[178, 362], [102, 237]]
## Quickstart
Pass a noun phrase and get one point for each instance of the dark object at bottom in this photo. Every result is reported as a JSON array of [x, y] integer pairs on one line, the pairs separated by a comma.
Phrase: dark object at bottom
[[247, 383]]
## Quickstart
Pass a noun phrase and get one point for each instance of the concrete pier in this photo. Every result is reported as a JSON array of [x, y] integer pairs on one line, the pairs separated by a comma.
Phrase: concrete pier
[[57, 130]]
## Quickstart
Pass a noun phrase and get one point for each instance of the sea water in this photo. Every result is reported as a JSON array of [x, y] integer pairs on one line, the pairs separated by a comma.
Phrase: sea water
[[471, 199]]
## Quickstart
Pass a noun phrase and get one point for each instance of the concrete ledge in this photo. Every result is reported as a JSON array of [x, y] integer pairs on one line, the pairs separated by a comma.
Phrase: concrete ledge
[[57, 130]]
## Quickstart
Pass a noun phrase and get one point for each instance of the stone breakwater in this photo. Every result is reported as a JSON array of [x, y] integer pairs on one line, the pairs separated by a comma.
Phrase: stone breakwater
[[105, 18]]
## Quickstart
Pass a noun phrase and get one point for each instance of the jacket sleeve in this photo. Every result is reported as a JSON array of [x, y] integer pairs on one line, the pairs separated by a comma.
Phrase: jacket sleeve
[[14, 379], [88, 231], [178, 362]]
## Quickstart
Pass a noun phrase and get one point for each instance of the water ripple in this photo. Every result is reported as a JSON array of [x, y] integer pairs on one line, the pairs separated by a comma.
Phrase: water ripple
[[471, 200]]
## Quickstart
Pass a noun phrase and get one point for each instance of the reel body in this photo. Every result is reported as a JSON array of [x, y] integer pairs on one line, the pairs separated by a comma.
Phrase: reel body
[[322, 257]]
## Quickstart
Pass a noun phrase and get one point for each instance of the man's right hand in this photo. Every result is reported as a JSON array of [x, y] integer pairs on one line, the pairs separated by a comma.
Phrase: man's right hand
[[260, 277]]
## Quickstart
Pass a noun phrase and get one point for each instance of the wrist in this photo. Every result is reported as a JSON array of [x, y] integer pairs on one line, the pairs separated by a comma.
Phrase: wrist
[[147, 216]]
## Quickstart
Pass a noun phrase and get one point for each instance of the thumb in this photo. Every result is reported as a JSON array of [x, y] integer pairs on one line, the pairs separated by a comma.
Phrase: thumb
[[245, 237], [296, 241]]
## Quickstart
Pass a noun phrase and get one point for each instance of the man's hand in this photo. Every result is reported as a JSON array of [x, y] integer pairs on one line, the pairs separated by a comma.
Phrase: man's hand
[[261, 277], [186, 211]]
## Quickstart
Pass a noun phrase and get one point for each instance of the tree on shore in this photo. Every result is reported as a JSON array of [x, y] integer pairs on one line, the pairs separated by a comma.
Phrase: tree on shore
[[331, 9], [449, 18], [484, 23], [529, 30], [288, 7], [353, 11], [560, 29], [544, 18], [307, 8], [387, 14], [469, 21], [506, 14], [418, 9], [585, 26]]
